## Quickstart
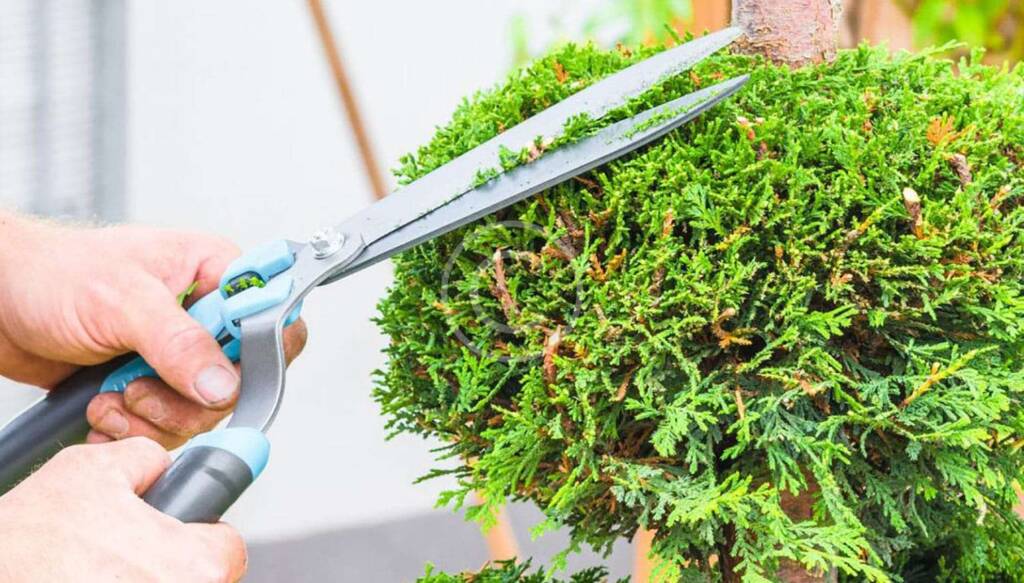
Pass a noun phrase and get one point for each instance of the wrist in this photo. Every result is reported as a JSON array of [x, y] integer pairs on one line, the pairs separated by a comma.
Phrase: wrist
[[20, 242], [12, 239]]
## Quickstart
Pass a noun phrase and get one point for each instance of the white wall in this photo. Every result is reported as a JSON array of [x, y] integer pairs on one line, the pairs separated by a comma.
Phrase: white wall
[[236, 128]]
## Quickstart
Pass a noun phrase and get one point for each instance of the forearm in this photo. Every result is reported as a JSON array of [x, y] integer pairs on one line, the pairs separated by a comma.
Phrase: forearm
[[11, 226], [21, 239]]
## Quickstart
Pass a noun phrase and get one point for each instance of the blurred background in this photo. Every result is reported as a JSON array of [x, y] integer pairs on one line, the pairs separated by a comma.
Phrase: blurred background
[[258, 120]]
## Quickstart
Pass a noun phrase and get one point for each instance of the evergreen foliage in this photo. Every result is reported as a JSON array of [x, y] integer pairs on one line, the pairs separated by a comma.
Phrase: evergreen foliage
[[817, 286], [511, 572]]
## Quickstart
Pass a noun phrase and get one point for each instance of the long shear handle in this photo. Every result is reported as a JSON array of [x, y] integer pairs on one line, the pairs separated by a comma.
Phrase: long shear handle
[[210, 474], [202, 483], [51, 424]]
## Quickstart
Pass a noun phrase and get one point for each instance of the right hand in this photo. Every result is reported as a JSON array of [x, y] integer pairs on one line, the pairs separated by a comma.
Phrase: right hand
[[79, 518]]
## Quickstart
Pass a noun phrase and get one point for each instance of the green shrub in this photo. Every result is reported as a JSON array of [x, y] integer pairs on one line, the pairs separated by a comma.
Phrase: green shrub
[[816, 287], [511, 572]]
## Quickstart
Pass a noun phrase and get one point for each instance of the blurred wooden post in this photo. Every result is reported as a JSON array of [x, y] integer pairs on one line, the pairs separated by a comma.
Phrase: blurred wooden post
[[501, 539], [349, 103], [710, 15], [643, 565]]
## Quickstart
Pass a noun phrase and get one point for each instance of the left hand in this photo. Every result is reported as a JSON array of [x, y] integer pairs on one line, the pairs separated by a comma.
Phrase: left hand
[[72, 297]]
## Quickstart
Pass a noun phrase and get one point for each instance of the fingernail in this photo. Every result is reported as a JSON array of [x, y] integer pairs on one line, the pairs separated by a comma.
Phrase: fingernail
[[113, 424], [216, 384], [151, 408]]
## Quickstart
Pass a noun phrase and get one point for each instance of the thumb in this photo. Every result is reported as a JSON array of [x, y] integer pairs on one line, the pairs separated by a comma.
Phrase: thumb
[[181, 351]]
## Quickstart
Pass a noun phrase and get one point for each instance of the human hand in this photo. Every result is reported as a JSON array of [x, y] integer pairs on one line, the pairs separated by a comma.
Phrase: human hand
[[71, 297], [80, 518]]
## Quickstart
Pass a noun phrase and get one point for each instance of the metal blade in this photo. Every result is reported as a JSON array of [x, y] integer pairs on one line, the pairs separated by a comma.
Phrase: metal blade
[[456, 177], [610, 143]]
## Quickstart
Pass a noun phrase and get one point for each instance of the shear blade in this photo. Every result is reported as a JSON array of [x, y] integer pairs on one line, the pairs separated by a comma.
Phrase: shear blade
[[551, 169]]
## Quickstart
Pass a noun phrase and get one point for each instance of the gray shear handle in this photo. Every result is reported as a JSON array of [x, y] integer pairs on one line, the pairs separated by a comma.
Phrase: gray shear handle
[[200, 485], [53, 423]]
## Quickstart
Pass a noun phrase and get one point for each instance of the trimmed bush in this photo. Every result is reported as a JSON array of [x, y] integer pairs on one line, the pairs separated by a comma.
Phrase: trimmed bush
[[812, 293]]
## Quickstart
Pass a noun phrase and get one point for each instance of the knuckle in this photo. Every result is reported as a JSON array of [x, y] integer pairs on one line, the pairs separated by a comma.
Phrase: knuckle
[[212, 571], [98, 292], [215, 569], [81, 458], [73, 455], [98, 406], [144, 447]]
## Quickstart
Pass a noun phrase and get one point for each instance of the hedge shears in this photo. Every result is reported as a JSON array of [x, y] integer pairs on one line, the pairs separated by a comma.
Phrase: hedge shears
[[263, 290]]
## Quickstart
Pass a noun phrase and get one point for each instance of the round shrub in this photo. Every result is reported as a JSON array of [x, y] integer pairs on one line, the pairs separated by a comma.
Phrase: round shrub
[[792, 329]]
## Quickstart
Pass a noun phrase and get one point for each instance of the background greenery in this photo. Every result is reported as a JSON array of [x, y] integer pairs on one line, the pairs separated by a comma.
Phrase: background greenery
[[992, 24]]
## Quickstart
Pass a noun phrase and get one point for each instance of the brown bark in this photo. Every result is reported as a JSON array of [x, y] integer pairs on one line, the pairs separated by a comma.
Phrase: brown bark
[[801, 508], [791, 32]]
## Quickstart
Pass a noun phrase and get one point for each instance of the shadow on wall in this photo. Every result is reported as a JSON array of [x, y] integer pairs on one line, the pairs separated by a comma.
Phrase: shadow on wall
[[398, 551]]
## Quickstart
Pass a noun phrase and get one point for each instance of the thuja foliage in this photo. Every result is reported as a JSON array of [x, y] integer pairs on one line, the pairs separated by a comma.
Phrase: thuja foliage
[[512, 572], [813, 292]]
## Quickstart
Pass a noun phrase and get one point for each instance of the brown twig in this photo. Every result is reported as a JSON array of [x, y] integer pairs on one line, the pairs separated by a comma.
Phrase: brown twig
[[624, 385], [912, 202], [962, 168], [551, 346], [508, 303]]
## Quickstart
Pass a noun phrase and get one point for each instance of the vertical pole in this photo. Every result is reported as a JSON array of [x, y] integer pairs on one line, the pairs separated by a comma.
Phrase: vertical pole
[[501, 538], [643, 565], [42, 186], [109, 107], [348, 99], [709, 15]]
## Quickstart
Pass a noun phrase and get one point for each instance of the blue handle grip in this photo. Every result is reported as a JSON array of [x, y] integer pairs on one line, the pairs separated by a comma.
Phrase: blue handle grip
[[231, 457], [219, 312]]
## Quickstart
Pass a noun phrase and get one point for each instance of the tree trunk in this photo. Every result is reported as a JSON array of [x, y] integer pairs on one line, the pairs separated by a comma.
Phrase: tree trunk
[[791, 32], [795, 33], [800, 508]]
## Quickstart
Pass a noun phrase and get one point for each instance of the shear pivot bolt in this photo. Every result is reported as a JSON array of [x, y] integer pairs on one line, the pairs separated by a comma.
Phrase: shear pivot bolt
[[326, 242]]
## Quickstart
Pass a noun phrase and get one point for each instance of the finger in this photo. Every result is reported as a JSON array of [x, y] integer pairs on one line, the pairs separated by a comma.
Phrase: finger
[[164, 408], [178, 348], [108, 415], [217, 254], [160, 405], [295, 337], [139, 460], [95, 437], [227, 546], [25, 367]]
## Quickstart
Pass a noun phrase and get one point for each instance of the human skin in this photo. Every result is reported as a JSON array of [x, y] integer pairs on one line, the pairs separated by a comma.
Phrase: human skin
[[80, 518], [73, 297]]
